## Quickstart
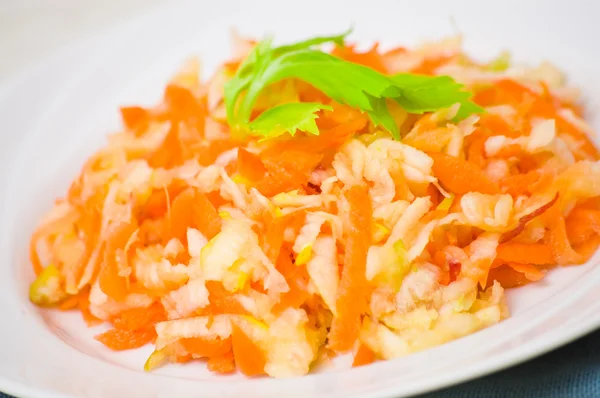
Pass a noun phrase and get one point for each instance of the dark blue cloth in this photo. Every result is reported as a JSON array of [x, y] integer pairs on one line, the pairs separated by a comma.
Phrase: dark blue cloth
[[570, 371]]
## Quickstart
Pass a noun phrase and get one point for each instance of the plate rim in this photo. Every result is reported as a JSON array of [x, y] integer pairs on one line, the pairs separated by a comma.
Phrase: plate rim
[[491, 365]]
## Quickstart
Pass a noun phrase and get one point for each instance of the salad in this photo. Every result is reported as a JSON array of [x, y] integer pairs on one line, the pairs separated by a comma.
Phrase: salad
[[311, 200]]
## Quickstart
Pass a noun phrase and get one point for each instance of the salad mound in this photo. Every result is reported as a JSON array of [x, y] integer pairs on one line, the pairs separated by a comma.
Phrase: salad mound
[[311, 200]]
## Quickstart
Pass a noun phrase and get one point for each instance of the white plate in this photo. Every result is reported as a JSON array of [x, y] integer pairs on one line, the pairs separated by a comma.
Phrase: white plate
[[56, 113]]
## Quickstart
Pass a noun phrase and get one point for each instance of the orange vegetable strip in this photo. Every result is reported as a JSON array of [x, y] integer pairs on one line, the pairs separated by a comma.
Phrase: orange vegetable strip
[[135, 118], [33, 255], [496, 125], [111, 283], [249, 358], [561, 247], [363, 356], [249, 165], [206, 347], [156, 205], [89, 226], [180, 217], [274, 238], [170, 152], [510, 151], [221, 301], [353, 288], [297, 278], [88, 317], [520, 184], [429, 65], [137, 318], [476, 149], [582, 224], [461, 176], [286, 171], [208, 152], [371, 58], [588, 248], [525, 253], [205, 216], [69, 303], [183, 105], [119, 340], [530, 271], [507, 277], [222, 364]]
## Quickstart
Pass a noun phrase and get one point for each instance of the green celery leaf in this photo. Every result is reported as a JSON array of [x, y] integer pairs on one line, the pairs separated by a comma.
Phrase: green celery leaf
[[430, 93], [259, 56], [315, 41], [253, 66], [380, 115], [343, 81], [287, 118], [467, 108]]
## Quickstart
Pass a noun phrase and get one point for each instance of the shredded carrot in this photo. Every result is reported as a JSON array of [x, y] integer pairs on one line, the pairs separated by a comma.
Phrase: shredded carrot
[[523, 184], [69, 303], [170, 152], [137, 318], [561, 247], [588, 248], [510, 151], [135, 118], [111, 282], [505, 91], [496, 125], [274, 238], [507, 277], [581, 224], [530, 271], [353, 286], [118, 339], [429, 140], [84, 308], [525, 253], [223, 364], [250, 166], [287, 170], [180, 218], [182, 105], [298, 280], [33, 255], [371, 58], [429, 65], [160, 199], [476, 149], [363, 356], [201, 347], [205, 216], [250, 359], [76, 301], [461, 176], [221, 301]]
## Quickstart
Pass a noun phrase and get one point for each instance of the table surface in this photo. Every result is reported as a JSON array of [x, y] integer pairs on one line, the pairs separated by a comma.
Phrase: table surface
[[571, 371]]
